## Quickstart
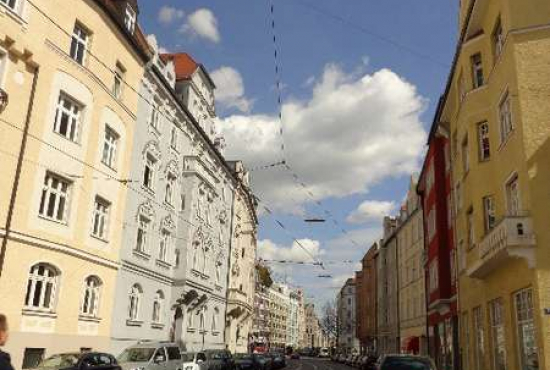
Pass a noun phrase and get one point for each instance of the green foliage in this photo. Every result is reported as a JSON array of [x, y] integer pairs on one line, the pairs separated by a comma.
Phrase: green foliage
[[264, 275]]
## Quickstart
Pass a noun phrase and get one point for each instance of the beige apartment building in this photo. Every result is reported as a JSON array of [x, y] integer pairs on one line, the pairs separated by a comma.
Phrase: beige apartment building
[[68, 68], [279, 309], [410, 251]]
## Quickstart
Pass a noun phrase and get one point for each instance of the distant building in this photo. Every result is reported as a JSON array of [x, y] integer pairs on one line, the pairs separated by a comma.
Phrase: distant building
[[261, 332], [279, 310], [367, 330], [347, 319]]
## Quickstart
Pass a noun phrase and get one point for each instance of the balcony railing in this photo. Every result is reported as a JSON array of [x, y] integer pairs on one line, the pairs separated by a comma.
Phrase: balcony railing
[[512, 237]]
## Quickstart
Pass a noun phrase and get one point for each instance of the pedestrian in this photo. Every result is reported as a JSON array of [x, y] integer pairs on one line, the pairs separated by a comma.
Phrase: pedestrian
[[5, 360]]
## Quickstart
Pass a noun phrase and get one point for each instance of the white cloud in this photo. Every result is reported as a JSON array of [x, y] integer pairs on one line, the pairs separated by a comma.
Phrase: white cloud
[[353, 133], [202, 23], [371, 210], [268, 250], [230, 89], [168, 14]]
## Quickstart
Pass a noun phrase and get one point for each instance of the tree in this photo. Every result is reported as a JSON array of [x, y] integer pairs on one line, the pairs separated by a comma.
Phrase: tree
[[264, 275], [329, 319]]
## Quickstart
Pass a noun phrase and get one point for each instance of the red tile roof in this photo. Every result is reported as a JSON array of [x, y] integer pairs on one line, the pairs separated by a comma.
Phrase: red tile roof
[[184, 64]]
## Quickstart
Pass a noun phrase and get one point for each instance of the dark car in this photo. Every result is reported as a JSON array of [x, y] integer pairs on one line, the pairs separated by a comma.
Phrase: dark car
[[295, 356], [401, 362], [80, 361], [218, 360], [279, 360], [368, 362]]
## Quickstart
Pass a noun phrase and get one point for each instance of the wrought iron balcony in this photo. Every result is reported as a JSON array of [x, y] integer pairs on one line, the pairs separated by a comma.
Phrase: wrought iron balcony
[[512, 237]]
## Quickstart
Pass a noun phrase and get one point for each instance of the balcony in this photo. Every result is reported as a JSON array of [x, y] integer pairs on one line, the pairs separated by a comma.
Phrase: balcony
[[512, 237]]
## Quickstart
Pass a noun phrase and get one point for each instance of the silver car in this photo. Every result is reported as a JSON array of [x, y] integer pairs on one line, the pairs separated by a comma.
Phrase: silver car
[[151, 356]]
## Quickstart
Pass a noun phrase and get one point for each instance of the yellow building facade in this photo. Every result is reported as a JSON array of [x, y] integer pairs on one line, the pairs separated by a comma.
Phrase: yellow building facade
[[61, 227], [496, 113]]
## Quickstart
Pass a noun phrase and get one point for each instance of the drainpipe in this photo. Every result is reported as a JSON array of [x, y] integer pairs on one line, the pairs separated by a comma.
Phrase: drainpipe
[[231, 226], [18, 171]]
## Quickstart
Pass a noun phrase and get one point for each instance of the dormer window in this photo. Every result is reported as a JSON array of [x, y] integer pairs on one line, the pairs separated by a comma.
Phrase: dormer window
[[130, 19]]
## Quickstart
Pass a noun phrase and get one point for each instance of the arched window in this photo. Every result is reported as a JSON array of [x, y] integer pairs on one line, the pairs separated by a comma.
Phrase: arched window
[[41, 287], [90, 299], [158, 304], [190, 323], [196, 256], [134, 302], [215, 319], [218, 272], [201, 320]]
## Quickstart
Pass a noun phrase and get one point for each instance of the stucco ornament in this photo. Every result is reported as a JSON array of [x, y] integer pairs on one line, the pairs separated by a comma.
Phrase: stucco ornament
[[146, 209], [152, 147], [168, 223], [223, 216]]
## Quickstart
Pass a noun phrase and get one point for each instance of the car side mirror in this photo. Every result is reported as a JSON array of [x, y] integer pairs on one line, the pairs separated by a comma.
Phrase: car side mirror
[[159, 358]]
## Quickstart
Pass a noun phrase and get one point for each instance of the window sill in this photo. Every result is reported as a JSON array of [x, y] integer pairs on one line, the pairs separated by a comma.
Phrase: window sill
[[13, 14], [36, 312], [83, 317], [191, 330], [169, 205], [103, 240], [67, 139], [163, 264], [112, 168], [148, 190], [198, 273], [506, 140], [142, 255], [130, 322], [157, 325], [46, 218]]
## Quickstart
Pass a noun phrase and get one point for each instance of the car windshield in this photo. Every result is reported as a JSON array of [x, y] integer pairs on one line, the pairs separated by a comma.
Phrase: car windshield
[[136, 355], [406, 363], [60, 361], [243, 356]]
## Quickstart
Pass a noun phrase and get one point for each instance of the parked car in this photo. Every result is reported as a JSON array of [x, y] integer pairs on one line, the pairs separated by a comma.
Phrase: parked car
[[324, 352], [399, 362], [356, 361], [219, 360], [151, 355], [295, 356], [342, 358], [279, 360], [368, 362], [348, 360], [244, 361], [80, 361], [193, 360]]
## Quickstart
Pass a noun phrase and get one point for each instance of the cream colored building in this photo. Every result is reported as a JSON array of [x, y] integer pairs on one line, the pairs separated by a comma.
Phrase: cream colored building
[[61, 254], [241, 289], [495, 111], [279, 308], [410, 251]]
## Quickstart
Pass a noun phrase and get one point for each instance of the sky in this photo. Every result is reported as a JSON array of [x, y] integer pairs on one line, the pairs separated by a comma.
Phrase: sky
[[360, 80]]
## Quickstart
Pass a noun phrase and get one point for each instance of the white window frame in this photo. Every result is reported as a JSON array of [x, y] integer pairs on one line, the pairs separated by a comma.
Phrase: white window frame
[[513, 199], [477, 70], [110, 145], [100, 218], [158, 306], [498, 335], [479, 338], [91, 296], [174, 138], [484, 142], [143, 227], [3, 65], [149, 177], [164, 245], [10, 4], [73, 115], [524, 316], [118, 80], [79, 42], [497, 38], [130, 19], [154, 119], [489, 214], [62, 197], [49, 280], [505, 117], [134, 302], [190, 321], [170, 189]]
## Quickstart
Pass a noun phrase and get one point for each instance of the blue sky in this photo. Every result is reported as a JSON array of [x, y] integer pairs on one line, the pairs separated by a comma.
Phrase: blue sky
[[356, 112]]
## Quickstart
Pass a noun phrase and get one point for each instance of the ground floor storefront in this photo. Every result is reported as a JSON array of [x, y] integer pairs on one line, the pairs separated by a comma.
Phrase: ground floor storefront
[[443, 331]]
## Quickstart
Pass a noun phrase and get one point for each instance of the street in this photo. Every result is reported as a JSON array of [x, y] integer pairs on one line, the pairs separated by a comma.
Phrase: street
[[307, 363]]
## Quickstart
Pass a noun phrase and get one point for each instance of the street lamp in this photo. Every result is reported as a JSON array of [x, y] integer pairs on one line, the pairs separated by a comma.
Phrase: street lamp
[[4, 99]]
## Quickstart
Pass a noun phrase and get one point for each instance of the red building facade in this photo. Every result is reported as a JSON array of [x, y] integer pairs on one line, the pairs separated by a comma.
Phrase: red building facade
[[435, 190], [366, 292]]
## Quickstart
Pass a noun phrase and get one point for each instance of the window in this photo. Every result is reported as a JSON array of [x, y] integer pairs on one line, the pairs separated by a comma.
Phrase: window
[[32, 356], [512, 196], [190, 321], [90, 299], [218, 272], [79, 43], [430, 176], [483, 141], [434, 275], [183, 202], [54, 203], [505, 116], [118, 81], [431, 224], [134, 302], [465, 156], [526, 329], [110, 143], [154, 119], [41, 288], [67, 118], [130, 19], [201, 320], [489, 212], [479, 339], [449, 211], [496, 317], [477, 70], [170, 188], [215, 319], [458, 196], [164, 245], [242, 252], [447, 153], [498, 39], [142, 234], [174, 138], [462, 86], [177, 256], [100, 219], [157, 307], [149, 172], [453, 261], [470, 227]]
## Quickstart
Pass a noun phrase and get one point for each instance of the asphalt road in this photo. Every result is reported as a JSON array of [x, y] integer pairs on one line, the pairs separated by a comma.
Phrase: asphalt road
[[314, 364]]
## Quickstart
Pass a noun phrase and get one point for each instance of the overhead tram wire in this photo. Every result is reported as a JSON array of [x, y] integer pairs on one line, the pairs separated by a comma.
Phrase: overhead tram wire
[[375, 35]]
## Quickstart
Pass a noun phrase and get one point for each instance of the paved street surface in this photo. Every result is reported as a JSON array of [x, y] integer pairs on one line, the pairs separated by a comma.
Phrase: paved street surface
[[315, 364]]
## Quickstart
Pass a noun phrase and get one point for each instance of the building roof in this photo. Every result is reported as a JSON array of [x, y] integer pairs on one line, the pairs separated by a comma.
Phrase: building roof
[[185, 66]]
